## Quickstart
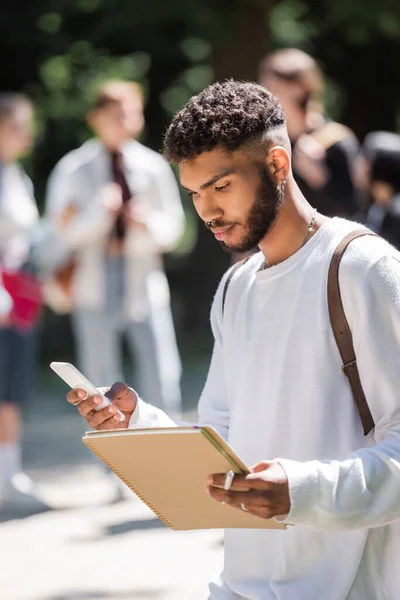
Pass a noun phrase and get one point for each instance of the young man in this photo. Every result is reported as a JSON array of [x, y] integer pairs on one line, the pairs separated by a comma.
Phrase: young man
[[116, 207], [275, 389], [323, 150]]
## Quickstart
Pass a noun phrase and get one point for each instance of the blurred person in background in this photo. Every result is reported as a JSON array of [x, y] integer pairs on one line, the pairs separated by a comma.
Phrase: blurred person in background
[[18, 313], [116, 207], [323, 150], [377, 174], [5, 304]]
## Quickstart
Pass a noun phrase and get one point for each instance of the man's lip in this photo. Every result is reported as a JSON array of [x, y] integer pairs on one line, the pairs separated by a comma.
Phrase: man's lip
[[220, 233]]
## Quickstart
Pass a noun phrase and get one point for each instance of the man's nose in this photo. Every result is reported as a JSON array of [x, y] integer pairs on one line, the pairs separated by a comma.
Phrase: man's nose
[[208, 211]]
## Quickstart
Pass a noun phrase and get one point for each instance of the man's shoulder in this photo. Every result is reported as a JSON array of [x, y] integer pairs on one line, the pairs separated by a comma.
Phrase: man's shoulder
[[364, 257], [235, 280], [394, 208], [332, 134], [238, 274], [146, 155], [78, 157]]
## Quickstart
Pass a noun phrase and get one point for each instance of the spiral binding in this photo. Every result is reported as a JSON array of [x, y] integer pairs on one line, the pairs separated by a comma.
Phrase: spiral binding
[[109, 465]]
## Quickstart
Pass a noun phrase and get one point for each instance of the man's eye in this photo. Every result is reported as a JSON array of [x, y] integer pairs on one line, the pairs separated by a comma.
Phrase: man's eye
[[221, 188]]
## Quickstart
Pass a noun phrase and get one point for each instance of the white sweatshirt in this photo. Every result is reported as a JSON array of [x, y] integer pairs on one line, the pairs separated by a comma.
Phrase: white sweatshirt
[[275, 389]]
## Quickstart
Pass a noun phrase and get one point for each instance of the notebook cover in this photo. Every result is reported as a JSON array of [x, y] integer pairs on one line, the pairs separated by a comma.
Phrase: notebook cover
[[168, 469]]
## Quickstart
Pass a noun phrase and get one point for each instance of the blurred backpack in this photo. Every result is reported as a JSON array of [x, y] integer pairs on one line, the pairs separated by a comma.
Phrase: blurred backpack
[[26, 291], [56, 264]]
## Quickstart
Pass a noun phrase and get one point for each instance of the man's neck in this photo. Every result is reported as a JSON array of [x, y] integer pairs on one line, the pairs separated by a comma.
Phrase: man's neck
[[115, 148], [290, 230]]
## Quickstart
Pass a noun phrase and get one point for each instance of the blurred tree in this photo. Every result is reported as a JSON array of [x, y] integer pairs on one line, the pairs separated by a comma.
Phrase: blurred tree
[[62, 49], [58, 50]]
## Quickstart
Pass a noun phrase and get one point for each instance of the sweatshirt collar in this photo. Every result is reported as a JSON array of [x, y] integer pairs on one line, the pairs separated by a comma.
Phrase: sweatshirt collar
[[320, 237]]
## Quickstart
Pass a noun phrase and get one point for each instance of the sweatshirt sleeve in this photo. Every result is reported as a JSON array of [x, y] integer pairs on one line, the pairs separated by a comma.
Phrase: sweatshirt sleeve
[[166, 221], [79, 218], [362, 490], [213, 405], [146, 416]]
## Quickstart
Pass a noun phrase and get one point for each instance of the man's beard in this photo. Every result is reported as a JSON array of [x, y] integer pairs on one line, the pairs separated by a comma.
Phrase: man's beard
[[262, 214]]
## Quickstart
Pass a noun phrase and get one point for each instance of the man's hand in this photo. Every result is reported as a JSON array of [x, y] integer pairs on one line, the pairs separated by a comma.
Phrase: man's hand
[[264, 492], [4, 320], [137, 215], [111, 197], [122, 397]]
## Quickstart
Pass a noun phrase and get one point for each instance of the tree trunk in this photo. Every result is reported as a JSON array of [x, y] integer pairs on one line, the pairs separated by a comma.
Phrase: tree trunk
[[249, 40]]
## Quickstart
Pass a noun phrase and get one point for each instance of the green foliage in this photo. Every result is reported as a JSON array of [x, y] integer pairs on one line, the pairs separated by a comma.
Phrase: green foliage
[[63, 49], [58, 51]]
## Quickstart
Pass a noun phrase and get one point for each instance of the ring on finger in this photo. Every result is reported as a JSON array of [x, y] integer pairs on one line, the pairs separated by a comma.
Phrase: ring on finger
[[243, 507], [228, 480]]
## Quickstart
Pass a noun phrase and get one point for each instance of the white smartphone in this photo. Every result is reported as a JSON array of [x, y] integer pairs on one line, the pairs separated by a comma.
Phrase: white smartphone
[[76, 380]]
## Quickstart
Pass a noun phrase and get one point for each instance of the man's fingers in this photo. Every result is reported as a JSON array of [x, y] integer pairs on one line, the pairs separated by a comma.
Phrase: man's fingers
[[236, 498], [76, 396], [239, 481], [218, 479], [265, 512], [103, 416], [88, 405], [111, 423], [256, 503]]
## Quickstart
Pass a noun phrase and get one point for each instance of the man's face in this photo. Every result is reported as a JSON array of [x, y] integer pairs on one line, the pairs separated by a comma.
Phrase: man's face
[[233, 192], [118, 121], [16, 133]]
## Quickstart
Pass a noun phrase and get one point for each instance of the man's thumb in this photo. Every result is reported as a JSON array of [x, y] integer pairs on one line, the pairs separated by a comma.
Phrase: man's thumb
[[261, 466], [122, 395]]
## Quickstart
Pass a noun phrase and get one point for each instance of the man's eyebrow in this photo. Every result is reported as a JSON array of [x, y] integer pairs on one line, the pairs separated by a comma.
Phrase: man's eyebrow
[[213, 179]]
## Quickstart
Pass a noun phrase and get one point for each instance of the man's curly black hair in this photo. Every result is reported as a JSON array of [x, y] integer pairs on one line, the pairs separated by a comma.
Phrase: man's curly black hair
[[228, 114]]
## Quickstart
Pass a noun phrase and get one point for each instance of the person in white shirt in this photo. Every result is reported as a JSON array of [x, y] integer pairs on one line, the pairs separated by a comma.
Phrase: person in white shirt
[[275, 388], [116, 207], [18, 217]]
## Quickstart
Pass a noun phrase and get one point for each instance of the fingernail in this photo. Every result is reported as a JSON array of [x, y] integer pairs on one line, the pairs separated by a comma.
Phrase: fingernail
[[110, 409], [210, 480], [97, 400], [116, 418], [81, 394]]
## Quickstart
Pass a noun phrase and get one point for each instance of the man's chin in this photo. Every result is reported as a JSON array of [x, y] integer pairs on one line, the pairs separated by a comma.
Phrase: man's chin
[[236, 249]]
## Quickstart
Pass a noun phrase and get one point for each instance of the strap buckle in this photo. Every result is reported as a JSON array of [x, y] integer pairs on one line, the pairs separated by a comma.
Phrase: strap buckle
[[352, 363]]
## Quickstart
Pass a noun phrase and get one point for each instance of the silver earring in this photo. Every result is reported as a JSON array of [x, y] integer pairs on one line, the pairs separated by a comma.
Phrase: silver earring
[[282, 189]]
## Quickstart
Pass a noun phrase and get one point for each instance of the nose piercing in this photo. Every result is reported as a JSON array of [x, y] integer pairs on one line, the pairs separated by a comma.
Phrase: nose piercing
[[210, 223]]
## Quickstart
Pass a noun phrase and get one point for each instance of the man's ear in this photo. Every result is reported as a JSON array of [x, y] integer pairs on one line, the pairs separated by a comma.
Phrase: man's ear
[[278, 164]]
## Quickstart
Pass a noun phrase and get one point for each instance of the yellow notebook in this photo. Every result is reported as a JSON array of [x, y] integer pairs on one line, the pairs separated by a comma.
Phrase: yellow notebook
[[167, 469]]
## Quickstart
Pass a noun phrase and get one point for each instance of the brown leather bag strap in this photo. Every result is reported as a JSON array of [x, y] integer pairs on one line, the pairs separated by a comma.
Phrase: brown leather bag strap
[[227, 282], [342, 331]]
